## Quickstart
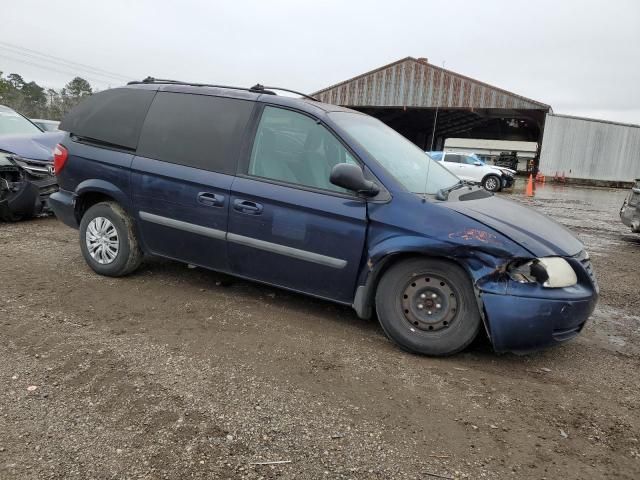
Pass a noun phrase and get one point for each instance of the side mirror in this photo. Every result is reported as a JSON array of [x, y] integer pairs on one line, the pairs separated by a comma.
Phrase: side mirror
[[351, 177], [477, 163]]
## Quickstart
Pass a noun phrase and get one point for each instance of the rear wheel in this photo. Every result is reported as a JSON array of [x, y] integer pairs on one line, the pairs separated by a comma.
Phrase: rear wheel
[[492, 183], [428, 306], [108, 240]]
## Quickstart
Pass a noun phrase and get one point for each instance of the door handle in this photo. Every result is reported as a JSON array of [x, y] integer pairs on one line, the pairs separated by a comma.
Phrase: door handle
[[210, 199], [245, 206]]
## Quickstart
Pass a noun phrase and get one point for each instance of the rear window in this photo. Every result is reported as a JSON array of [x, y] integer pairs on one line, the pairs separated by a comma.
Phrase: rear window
[[114, 116], [198, 131]]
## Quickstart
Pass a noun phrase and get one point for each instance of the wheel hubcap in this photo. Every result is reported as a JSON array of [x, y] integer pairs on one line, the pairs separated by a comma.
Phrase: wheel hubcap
[[492, 183], [102, 240], [429, 303]]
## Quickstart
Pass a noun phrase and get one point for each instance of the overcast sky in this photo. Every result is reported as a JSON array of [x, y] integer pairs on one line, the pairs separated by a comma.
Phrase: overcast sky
[[581, 57]]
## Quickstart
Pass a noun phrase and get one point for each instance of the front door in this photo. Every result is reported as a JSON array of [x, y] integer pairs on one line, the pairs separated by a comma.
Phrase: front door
[[288, 225]]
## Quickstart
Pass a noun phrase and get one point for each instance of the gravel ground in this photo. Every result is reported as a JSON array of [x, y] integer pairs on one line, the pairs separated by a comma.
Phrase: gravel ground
[[169, 374]]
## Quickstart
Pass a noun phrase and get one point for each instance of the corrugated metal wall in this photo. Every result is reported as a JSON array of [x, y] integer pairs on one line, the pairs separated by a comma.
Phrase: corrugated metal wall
[[590, 149], [413, 83]]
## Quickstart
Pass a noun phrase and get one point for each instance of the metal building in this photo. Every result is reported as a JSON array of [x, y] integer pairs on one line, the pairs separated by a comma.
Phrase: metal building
[[411, 95], [590, 151]]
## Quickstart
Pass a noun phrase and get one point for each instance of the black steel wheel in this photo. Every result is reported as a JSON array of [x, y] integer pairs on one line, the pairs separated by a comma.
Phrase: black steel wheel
[[428, 306]]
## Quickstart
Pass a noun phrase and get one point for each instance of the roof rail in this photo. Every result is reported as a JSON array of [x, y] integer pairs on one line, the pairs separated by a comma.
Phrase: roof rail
[[261, 88], [257, 88]]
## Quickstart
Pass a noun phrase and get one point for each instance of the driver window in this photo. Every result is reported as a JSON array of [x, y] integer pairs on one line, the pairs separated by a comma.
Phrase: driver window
[[294, 148]]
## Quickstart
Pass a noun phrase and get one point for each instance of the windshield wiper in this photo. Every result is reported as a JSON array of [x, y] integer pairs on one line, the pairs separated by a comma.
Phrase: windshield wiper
[[443, 193]]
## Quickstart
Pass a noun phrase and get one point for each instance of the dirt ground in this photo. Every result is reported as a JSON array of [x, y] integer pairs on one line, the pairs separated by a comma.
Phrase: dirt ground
[[169, 374]]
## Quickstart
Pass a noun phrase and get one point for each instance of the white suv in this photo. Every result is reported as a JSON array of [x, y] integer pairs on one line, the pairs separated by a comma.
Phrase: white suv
[[468, 166]]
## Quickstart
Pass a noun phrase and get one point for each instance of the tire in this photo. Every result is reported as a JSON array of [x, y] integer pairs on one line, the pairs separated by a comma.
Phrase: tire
[[107, 221], [445, 324], [10, 217], [492, 183]]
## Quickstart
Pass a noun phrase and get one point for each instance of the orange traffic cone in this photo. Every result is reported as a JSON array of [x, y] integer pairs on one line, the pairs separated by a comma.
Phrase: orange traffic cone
[[530, 186]]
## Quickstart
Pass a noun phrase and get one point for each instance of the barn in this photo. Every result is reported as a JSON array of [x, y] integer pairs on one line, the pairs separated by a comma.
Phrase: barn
[[429, 104]]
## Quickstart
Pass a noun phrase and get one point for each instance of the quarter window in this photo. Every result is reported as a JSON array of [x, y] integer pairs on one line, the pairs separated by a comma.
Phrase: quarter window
[[199, 131], [114, 116], [294, 148]]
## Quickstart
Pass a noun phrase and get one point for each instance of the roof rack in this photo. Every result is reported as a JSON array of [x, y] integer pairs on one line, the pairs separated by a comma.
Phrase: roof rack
[[262, 89], [257, 88]]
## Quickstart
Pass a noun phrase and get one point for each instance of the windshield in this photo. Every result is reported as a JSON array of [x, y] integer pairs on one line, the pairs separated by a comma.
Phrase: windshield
[[415, 170], [12, 122], [476, 158]]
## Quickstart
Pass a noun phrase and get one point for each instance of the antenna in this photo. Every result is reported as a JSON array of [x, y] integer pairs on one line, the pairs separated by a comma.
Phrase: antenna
[[433, 134], [435, 119]]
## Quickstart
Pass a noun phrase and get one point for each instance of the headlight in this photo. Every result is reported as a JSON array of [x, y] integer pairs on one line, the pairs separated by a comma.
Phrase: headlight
[[550, 272]]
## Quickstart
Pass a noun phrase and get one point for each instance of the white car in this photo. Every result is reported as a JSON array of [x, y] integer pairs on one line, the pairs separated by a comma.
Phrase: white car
[[468, 166]]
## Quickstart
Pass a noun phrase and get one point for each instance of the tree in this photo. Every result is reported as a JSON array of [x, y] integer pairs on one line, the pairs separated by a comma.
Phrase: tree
[[32, 100], [78, 87], [15, 80], [4, 88]]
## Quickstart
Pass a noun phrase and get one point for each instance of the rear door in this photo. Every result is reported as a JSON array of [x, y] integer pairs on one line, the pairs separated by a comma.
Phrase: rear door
[[288, 225], [182, 174], [456, 165], [472, 169]]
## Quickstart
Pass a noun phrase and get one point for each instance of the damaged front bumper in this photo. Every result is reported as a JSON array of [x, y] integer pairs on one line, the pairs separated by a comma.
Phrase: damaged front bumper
[[507, 180], [523, 324], [523, 318], [25, 187]]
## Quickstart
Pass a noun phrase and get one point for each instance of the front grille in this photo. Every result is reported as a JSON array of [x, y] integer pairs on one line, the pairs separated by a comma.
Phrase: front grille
[[583, 258], [38, 168]]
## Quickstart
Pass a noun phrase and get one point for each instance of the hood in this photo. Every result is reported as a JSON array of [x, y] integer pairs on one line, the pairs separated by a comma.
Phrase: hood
[[535, 232], [504, 169], [36, 147]]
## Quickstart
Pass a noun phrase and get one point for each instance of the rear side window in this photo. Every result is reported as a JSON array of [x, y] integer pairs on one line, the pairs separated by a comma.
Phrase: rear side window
[[198, 131], [114, 116], [453, 158]]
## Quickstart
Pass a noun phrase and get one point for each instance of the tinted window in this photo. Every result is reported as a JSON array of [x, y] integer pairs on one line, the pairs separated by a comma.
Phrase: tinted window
[[294, 148], [452, 158], [198, 131], [114, 116]]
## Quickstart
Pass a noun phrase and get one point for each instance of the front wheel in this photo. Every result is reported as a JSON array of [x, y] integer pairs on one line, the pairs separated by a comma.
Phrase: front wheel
[[492, 183], [108, 240], [428, 306]]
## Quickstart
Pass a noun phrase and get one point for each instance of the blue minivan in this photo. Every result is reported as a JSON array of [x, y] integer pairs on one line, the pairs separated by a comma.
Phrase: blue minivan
[[320, 200]]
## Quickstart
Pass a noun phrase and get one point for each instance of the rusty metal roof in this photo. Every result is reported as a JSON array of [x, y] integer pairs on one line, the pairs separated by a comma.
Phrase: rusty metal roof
[[413, 82]]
